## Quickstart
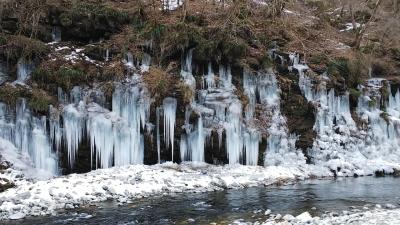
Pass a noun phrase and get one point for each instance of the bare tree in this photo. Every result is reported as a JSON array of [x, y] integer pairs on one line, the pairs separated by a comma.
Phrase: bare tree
[[360, 31]]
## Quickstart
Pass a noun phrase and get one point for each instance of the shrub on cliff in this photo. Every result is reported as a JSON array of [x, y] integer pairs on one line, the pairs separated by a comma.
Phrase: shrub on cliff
[[353, 71], [14, 47]]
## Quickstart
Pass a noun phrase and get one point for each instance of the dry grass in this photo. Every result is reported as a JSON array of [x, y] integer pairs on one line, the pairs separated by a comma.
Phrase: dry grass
[[159, 83]]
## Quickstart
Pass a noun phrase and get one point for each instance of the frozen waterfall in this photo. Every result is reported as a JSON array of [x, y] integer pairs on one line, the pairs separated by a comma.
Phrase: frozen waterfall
[[28, 134]]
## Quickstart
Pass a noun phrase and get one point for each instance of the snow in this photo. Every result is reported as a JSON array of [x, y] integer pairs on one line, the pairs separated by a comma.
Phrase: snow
[[371, 217], [171, 4], [349, 26]]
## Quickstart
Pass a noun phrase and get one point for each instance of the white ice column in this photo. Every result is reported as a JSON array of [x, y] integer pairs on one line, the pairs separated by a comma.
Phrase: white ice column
[[169, 106]]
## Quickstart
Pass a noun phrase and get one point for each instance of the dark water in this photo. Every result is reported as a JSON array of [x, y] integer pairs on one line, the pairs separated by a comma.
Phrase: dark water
[[248, 204]]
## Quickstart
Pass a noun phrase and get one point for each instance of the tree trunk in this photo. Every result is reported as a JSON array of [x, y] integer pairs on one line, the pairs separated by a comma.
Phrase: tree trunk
[[361, 31]]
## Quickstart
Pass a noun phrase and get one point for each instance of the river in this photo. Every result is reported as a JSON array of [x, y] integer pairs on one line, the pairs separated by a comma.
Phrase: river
[[249, 204]]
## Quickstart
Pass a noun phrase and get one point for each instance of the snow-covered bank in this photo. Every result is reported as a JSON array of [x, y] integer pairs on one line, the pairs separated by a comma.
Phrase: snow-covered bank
[[136, 181], [126, 183], [372, 217]]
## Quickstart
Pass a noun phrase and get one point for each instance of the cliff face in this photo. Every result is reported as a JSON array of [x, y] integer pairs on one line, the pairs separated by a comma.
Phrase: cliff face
[[250, 82]]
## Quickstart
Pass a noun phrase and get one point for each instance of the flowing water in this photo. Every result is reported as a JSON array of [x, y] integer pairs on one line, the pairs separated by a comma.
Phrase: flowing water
[[249, 204]]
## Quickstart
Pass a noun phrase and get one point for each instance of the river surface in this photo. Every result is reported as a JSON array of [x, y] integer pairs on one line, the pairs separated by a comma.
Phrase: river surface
[[223, 207]]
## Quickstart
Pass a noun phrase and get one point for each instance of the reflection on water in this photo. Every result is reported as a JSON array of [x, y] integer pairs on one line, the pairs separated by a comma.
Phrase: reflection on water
[[226, 206]]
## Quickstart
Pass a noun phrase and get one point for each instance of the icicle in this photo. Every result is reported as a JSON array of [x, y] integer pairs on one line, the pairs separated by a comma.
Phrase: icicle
[[55, 129], [73, 121], [56, 34], [251, 141], [169, 106], [131, 104], [129, 63], [186, 71], [102, 136], [234, 144], [22, 127], [145, 62], [40, 148], [225, 77], [24, 69], [158, 134], [249, 86], [210, 78], [107, 56], [28, 134], [196, 140], [184, 148], [7, 126]]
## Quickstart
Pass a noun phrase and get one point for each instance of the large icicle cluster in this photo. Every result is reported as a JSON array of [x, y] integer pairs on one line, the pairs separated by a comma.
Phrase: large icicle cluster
[[343, 146], [29, 134], [219, 110], [115, 136], [382, 118]]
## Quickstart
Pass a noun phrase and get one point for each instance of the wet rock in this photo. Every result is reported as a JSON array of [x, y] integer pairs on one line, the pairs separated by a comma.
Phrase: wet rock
[[390, 206], [5, 184], [69, 206], [17, 216]]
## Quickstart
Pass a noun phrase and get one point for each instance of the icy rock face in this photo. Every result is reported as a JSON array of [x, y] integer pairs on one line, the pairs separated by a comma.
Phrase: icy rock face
[[220, 111], [382, 118], [280, 145], [28, 133], [341, 145]]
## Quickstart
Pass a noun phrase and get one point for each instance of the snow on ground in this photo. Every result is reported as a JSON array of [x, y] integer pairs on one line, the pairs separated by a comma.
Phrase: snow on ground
[[377, 216], [124, 184], [135, 181]]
